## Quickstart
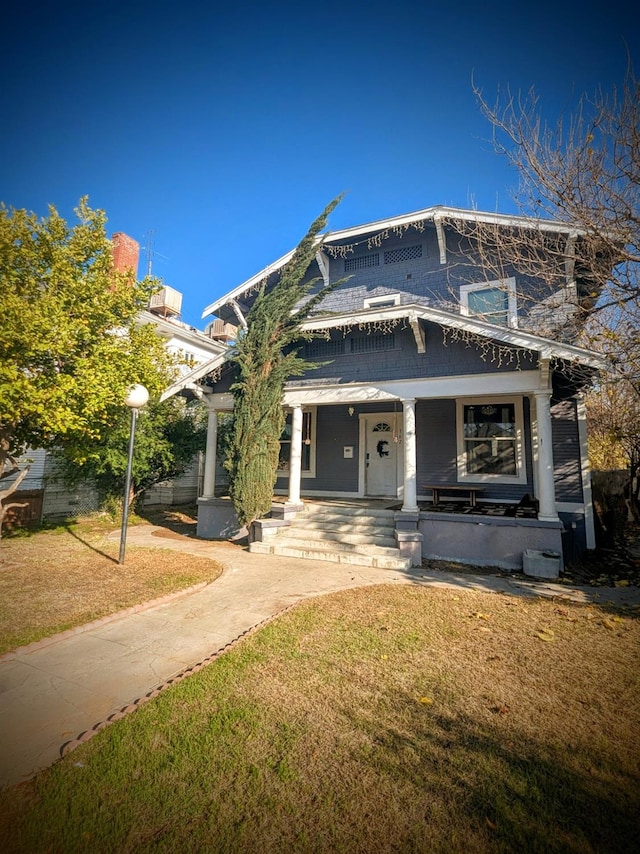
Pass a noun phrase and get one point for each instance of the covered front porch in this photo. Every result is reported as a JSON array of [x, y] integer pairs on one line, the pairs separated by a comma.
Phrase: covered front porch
[[356, 445]]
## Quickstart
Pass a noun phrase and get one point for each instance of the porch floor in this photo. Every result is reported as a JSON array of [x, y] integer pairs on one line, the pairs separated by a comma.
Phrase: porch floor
[[481, 509], [513, 511]]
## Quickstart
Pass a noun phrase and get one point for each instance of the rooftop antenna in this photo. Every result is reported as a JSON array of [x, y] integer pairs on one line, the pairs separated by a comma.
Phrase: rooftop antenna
[[151, 253], [149, 248]]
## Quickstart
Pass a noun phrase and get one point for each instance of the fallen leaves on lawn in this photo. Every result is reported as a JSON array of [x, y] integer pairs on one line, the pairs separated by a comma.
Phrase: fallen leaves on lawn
[[547, 635]]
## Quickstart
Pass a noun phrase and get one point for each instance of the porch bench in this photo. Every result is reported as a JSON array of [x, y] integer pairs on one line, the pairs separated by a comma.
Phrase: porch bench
[[437, 488]]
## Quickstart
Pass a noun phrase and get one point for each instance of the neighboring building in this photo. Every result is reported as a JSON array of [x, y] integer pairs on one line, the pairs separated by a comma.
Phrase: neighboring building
[[435, 383], [45, 494]]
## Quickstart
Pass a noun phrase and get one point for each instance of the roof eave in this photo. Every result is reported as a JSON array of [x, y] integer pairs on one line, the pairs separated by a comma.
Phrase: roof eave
[[432, 213], [546, 347], [189, 380]]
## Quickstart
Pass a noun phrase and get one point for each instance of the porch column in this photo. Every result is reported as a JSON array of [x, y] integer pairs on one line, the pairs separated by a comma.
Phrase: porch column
[[211, 447], [410, 504], [546, 485], [295, 462]]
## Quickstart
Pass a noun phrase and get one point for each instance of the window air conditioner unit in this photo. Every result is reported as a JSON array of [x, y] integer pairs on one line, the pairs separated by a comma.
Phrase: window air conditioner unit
[[167, 302]]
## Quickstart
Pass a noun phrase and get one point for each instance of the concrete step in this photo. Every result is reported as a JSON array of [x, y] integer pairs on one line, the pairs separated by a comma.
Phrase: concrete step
[[345, 534], [337, 545], [341, 521], [350, 511], [350, 558]]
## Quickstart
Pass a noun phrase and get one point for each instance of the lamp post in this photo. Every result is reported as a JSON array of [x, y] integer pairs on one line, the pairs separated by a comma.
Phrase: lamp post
[[135, 399]]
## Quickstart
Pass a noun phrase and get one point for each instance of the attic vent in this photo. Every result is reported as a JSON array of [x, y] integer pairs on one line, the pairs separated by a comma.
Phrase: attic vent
[[367, 343], [404, 253], [361, 261], [322, 349]]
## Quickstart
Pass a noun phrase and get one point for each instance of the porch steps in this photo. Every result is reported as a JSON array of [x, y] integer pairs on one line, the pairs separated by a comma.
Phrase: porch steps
[[357, 536]]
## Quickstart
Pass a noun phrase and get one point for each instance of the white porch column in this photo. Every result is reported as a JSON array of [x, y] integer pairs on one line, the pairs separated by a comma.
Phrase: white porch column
[[410, 504], [295, 462], [546, 486], [211, 447]]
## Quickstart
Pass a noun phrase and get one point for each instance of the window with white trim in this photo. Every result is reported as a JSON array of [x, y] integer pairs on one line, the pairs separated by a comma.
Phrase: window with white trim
[[496, 302], [490, 440], [308, 466], [386, 301]]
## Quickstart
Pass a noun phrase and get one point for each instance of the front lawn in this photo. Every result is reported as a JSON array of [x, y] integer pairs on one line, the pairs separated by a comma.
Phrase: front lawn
[[58, 579], [372, 720]]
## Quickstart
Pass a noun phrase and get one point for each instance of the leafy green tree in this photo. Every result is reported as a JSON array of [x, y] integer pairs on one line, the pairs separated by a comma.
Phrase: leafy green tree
[[168, 435], [266, 355], [70, 346]]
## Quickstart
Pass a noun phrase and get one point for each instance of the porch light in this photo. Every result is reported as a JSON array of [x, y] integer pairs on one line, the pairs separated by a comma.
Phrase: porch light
[[351, 410], [135, 400]]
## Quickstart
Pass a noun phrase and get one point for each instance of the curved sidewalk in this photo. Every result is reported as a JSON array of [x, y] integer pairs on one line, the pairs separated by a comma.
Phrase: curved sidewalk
[[54, 695]]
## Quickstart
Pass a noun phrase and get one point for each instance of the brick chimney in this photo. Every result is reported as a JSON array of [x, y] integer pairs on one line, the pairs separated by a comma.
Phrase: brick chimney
[[126, 252]]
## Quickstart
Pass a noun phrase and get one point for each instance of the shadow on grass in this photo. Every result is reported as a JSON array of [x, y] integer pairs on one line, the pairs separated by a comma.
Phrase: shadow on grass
[[515, 793], [69, 528], [179, 520]]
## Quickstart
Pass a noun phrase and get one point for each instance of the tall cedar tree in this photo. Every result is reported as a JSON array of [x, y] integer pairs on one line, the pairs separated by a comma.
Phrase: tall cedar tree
[[266, 356]]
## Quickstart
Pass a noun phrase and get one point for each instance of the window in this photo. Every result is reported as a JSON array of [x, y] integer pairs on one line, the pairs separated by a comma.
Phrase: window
[[494, 302], [490, 445], [308, 444], [386, 301]]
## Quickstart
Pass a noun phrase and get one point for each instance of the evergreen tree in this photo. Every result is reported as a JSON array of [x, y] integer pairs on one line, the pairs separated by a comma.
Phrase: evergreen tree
[[266, 355]]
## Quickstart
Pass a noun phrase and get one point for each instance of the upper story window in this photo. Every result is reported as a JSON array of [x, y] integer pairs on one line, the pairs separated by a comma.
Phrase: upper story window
[[386, 301], [375, 341], [494, 302], [490, 440]]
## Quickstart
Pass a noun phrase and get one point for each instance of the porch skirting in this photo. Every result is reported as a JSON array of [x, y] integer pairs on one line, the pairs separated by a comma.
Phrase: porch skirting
[[482, 541], [217, 520]]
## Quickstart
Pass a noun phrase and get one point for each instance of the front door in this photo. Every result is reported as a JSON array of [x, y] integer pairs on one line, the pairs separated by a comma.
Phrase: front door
[[381, 456]]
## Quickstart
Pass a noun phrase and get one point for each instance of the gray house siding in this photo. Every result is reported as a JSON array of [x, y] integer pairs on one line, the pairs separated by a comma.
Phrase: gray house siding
[[566, 451], [437, 451], [336, 428], [401, 360], [410, 266]]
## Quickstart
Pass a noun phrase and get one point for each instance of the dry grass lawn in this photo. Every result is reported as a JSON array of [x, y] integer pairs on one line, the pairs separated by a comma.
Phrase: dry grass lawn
[[384, 719], [54, 580]]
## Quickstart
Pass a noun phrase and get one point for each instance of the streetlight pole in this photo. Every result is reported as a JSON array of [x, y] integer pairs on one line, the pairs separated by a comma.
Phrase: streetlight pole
[[135, 399]]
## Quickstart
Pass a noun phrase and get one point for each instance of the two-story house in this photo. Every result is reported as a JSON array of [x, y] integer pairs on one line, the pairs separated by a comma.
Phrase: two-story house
[[441, 404]]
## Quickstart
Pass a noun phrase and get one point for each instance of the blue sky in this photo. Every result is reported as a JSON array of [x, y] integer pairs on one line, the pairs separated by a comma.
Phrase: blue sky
[[225, 130]]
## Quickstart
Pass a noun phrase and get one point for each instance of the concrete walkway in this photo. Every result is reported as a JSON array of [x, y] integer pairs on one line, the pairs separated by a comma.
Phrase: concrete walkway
[[58, 693]]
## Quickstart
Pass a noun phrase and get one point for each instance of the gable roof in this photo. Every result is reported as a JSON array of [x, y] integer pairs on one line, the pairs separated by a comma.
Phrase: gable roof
[[434, 214]]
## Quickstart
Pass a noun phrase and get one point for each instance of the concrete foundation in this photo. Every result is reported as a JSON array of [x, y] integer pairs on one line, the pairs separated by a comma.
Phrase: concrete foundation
[[541, 564], [493, 541], [217, 520]]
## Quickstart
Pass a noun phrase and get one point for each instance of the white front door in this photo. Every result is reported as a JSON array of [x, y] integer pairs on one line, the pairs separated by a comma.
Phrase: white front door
[[381, 456]]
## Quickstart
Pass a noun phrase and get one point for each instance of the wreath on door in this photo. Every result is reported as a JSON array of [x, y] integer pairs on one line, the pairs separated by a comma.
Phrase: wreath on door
[[381, 448]]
